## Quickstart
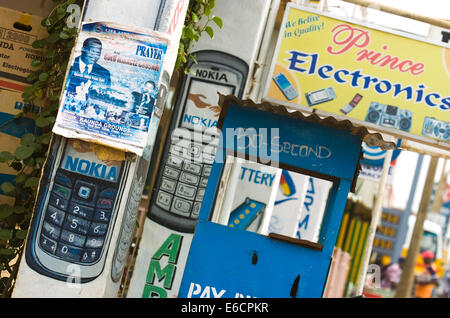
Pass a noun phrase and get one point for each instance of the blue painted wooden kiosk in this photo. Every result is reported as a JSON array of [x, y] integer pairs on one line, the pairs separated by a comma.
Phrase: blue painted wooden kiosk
[[228, 263]]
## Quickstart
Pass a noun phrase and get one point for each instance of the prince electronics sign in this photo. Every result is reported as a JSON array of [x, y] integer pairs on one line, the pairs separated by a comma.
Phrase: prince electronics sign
[[385, 81]]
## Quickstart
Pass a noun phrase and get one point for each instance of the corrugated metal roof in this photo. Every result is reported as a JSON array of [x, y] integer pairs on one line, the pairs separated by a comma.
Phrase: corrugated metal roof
[[371, 138]]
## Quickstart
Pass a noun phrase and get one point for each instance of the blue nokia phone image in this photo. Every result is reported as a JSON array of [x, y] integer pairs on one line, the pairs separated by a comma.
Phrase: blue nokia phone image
[[75, 211], [285, 86]]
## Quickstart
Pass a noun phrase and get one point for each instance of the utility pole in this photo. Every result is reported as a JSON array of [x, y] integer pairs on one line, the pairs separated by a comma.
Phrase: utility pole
[[407, 278], [437, 203], [376, 217], [403, 225]]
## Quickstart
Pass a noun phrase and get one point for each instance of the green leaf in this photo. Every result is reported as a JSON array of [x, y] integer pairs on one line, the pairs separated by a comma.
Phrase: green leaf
[[36, 63], [54, 97], [24, 152], [61, 12], [30, 162], [38, 44], [46, 22], [189, 32], [51, 119], [29, 89], [22, 234], [5, 211], [44, 139], [19, 210], [7, 187], [6, 156], [31, 182], [50, 54], [53, 38], [218, 21], [39, 93], [6, 235], [207, 11], [7, 251], [53, 107], [42, 122], [64, 35], [21, 177], [194, 17], [40, 160], [15, 243], [43, 77], [27, 139], [210, 31]]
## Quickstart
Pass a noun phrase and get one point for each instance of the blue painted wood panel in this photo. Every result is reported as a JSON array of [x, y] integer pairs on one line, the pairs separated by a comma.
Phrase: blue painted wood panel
[[226, 262], [313, 147], [223, 260]]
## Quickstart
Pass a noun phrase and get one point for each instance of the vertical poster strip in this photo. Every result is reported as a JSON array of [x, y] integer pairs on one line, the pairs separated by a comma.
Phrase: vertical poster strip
[[313, 209], [289, 203], [252, 207], [160, 276], [112, 86]]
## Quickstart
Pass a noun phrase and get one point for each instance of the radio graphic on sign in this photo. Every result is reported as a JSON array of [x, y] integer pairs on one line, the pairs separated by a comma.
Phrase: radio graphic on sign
[[389, 116], [435, 128]]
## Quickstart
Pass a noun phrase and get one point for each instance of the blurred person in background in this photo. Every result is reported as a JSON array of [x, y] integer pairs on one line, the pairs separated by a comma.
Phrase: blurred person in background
[[391, 274], [428, 279]]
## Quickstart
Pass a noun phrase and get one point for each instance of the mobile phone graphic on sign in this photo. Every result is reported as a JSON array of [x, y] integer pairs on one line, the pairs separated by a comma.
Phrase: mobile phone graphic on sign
[[350, 106], [285, 86], [74, 222], [245, 214], [320, 96], [187, 162]]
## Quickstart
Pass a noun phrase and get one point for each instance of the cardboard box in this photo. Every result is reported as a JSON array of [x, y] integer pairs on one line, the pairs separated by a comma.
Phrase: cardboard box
[[11, 104], [18, 31]]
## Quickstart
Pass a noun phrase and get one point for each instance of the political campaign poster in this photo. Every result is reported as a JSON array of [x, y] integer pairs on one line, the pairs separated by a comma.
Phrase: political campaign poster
[[383, 79], [111, 86]]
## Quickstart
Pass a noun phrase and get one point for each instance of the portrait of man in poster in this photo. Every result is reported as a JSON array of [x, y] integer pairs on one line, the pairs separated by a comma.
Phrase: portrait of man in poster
[[85, 70]]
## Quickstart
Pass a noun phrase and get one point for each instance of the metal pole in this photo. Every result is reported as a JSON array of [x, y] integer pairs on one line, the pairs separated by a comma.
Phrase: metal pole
[[376, 216], [407, 279], [407, 14], [403, 226], [437, 203]]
